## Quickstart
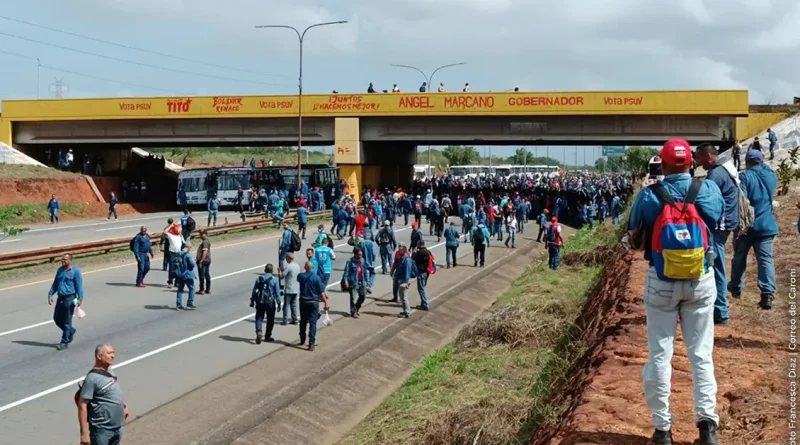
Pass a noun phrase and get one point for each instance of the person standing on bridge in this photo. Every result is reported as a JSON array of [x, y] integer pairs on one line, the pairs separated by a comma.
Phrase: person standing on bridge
[[101, 410], [53, 206], [311, 292], [141, 248], [68, 284]]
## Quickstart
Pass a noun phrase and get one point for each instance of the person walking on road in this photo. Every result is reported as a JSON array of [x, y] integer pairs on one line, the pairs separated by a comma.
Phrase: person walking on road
[[187, 225], [324, 256], [312, 291], [112, 206], [68, 285], [708, 157], [386, 243], [542, 220], [422, 258], [302, 221], [511, 228], [286, 243], [677, 213], [213, 210], [451, 237], [164, 245], [291, 288], [759, 183], [142, 247], [264, 298], [101, 409], [367, 247], [480, 241], [355, 280], [203, 260], [416, 235], [53, 206], [321, 235], [184, 277], [553, 241], [401, 277], [173, 248]]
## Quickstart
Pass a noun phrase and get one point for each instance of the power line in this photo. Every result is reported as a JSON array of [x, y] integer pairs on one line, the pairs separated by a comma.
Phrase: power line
[[103, 56], [90, 76], [120, 45]]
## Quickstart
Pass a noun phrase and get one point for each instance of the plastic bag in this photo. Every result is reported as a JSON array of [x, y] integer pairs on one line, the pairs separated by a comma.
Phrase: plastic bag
[[326, 319], [79, 312]]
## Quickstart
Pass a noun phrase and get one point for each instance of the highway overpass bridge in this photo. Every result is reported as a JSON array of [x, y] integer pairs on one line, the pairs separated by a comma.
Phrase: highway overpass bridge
[[375, 135]]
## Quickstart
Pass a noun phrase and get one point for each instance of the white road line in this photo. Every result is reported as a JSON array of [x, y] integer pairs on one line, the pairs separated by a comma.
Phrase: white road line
[[154, 352], [16, 240], [26, 328]]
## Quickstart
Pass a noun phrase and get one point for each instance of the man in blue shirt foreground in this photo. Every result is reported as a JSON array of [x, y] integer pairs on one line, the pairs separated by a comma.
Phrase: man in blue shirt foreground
[[311, 292], [68, 284], [690, 301]]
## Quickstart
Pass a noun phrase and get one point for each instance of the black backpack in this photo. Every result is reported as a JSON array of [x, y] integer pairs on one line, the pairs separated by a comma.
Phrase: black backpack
[[479, 238], [385, 238], [294, 245], [190, 224], [133, 243]]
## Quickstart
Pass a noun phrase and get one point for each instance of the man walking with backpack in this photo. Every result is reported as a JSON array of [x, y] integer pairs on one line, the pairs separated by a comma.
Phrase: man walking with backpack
[[355, 280], [677, 214], [288, 244], [708, 158], [387, 243], [480, 241], [553, 241], [141, 247], [264, 298], [424, 261], [187, 225], [184, 267]]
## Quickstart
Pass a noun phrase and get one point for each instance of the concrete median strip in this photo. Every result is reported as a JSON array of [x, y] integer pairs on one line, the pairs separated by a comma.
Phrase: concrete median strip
[[314, 398]]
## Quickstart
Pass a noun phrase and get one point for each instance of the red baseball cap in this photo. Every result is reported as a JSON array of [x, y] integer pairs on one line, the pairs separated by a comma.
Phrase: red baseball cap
[[676, 153], [555, 219]]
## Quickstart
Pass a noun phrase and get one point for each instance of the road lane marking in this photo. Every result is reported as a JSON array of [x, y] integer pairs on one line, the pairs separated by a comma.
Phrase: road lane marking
[[16, 240], [161, 349], [26, 328]]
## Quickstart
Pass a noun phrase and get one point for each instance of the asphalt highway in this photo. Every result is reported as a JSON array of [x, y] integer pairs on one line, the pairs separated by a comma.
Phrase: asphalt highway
[[75, 232], [161, 353]]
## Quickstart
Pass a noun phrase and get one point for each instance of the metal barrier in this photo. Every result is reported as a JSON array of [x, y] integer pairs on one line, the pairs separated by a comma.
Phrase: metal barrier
[[106, 246]]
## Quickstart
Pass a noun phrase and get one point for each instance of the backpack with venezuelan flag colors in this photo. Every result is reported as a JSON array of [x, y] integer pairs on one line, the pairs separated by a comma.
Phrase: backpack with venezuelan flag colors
[[680, 237]]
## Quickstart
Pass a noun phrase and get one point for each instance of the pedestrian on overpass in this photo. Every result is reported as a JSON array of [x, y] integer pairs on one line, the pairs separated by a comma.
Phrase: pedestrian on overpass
[[101, 410], [423, 258], [451, 237], [112, 206], [141, 248], [213, 210], [184, 277], [203, 260], [302, 221], [480, 241], [53, 206], [355, 280], [264, 298], [387, 243], [311, 292], [68, 284]]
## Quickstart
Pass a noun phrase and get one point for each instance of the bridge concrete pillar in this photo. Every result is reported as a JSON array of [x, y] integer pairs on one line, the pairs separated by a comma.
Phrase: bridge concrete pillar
[[348, 154], [5, 132]]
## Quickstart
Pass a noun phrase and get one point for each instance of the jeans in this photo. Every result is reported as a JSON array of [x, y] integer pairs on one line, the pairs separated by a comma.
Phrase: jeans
[[326, 277], [282, 257], [451, 251], [721, 303], [498, 228], [766, 264], [309, 313], [480, 251], [289, 302], [189, 283], [554, 253], [167, 255], [387, 259], [301, 229], [267, 309], [212, 217], [371, 281], [616, 218], [402, 294], [357, 295], [512, 236], [521, 223], [54, 215], [422, 283], [62, 315], [691, 303], [541, 232], [204, 272], [142, 267], [112, 211], [99, 436]]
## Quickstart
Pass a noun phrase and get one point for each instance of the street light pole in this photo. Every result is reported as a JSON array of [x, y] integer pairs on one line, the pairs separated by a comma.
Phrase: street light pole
[[428, 80], [300, 38]]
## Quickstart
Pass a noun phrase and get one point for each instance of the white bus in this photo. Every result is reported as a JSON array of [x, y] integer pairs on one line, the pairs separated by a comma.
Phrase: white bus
[[502, 170], [193, 182], [422, 171], [469, 171]]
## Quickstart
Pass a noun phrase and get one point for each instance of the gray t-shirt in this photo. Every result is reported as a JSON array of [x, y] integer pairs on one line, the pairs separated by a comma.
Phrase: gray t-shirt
[[205, 245], [106, 408], [290, 273]]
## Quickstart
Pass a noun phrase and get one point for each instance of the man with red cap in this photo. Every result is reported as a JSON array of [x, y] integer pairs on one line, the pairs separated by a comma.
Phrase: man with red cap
[[676, 215], [554, 242]]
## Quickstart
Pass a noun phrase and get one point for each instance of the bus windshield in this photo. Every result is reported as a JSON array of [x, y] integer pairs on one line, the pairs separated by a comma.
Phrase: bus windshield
[[232, 182], [458, 171]]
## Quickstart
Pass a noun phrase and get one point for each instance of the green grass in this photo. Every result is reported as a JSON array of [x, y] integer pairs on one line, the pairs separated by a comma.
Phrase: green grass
[[495, 380], [13, 171], [36, 213], [220, 156]]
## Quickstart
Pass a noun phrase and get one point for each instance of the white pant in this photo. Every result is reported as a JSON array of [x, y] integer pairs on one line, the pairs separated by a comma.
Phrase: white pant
[[691, 302]]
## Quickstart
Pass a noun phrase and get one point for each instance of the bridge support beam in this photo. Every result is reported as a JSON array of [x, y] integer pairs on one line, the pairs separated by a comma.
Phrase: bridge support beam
[[5, 132]]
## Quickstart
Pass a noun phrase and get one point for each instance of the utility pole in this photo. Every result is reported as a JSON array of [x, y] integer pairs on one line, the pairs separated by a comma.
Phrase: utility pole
[[58, 88], [38, 78]]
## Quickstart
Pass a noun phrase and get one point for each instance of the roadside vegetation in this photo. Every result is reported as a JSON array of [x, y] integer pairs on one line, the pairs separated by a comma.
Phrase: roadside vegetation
[[13, 171], [494, 383], [233, 156]]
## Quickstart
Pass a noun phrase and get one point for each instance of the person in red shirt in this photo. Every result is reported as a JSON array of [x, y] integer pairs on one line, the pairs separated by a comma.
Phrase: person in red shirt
[[490, 216], [554, 242], [361, 221]]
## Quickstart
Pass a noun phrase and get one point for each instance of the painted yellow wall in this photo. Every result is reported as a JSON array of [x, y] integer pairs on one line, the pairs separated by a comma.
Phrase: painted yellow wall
[[353, 174], [5, 131], [347, 139], [747, 127], [371, 175]]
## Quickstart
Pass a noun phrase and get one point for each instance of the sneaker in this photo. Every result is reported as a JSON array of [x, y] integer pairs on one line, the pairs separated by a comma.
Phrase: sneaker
[[403, 315], [208, 291], [258, 339], [169, 286], [708, 433], [422, 308], [724, 321], [369, 291], [62, 346], [294, 322], [357, 315], [311, 347], [269, 339], [200, 292], [766, 302], [140, 285], [476, 264], [302, 342], [72, 335], [191, 307], [662, 437], [179, 307], [284, 323]]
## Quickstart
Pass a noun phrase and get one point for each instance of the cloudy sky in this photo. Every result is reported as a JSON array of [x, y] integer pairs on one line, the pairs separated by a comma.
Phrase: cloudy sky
[[531, 44]]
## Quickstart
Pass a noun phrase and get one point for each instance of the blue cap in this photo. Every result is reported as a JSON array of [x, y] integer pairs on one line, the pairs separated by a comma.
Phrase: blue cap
[[754, 155]]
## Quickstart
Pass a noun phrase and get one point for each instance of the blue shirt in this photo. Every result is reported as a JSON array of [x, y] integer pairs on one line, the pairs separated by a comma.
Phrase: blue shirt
[[485, 234], [368, 248], [189, 264], [451, 237], [730, 194], [213, 204], [324, 257], [402, 269], [302, 215], [68, 282], [350, 276], [184, 219], [274, 291], [647, 207], [759, 183], [286, 239], [141, 244], [53, 205], [416, 237], [311, 287]]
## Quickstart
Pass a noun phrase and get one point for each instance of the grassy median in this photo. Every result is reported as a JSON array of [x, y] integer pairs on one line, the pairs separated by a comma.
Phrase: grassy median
[[493, 384]]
